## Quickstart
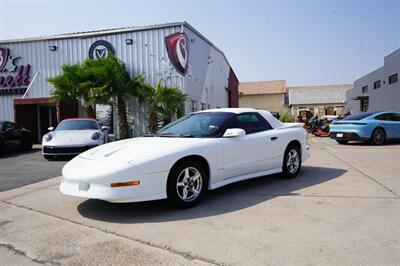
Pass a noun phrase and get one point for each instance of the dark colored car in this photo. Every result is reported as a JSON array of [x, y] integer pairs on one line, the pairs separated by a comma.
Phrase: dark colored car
[[13, 137]]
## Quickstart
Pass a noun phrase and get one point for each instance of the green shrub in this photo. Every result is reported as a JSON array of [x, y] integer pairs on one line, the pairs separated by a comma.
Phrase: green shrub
[[285, 117]]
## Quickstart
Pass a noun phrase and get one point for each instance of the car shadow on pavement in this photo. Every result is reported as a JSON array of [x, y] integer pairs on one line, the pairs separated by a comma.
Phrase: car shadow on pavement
[[13, 154], [223, 200]]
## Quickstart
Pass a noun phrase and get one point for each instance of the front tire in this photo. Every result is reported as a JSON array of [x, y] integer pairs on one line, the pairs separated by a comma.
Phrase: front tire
[[186, 184], [291, 161], [378, 136]]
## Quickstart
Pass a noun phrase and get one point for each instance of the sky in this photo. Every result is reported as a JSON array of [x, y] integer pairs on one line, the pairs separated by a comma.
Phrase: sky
[[303, 42]]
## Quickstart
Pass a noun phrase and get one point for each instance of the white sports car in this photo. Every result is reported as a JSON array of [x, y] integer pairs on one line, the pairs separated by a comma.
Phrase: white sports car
[[73, 136], [202, 151]]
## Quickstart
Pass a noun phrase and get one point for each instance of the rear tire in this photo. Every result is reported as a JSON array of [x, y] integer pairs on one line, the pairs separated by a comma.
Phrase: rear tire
[[343, 142], [27, 145], [378, 136], [291, 161], [187, 183]]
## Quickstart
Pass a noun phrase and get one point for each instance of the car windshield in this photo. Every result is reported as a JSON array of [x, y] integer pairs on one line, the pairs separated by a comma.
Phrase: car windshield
[[199, 125], [358, 116], [77, 125], [1, 125]]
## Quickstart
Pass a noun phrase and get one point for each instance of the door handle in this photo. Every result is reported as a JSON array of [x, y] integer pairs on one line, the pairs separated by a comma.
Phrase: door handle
[[274, 138]]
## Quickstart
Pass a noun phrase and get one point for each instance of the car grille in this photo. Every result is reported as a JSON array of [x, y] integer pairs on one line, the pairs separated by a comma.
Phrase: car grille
[[55, 150]]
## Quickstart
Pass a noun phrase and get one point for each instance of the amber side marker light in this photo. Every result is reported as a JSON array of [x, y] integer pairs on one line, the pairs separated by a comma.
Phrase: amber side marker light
[[125, 184]]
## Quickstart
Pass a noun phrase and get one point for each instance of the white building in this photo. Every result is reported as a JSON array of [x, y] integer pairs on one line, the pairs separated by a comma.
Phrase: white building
[[320, 99], [378, 90], [175, 52]]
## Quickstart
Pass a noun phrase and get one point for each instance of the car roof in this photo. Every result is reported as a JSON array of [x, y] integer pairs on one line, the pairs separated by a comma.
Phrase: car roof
[[275, 123], [83, 118], [228, 110]]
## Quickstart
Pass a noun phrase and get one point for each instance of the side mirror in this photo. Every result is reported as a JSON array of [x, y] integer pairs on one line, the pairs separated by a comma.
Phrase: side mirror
[[103, 128], [51, 128], [234, 132]]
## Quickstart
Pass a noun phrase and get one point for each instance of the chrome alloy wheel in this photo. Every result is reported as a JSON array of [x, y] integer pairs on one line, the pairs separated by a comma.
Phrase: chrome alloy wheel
[[189, 184], [293, 161]]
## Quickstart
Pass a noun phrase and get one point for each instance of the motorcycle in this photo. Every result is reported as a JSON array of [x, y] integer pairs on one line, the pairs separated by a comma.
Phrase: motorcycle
[[321, 128], [308, 125]]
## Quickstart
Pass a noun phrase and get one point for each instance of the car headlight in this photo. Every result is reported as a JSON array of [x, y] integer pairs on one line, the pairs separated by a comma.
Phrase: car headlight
[[95, 136], [48, 137]]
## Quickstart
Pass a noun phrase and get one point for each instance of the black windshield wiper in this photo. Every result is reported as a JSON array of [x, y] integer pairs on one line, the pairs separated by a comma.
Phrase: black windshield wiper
[[168, 135], [173, 135]]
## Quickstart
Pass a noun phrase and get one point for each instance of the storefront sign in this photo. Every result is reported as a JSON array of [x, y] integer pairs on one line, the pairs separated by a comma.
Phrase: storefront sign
[[100, 49], [177, 45], [15, 78]]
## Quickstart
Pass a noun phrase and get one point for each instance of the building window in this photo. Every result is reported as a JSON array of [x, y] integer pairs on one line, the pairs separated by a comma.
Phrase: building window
[[203, 106], [364, 89], [393, 78], [364, 104], [377, 84], [194, 106], [209, 106]]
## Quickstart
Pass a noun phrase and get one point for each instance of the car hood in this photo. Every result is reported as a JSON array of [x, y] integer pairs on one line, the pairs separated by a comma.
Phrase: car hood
[[132, 149], [72, 136]]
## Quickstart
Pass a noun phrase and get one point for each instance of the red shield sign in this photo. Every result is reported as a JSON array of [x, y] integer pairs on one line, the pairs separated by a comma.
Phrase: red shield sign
[[177, 45], [4, 52]]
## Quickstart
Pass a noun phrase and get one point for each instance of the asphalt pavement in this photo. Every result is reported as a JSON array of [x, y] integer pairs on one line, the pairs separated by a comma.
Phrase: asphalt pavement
[[18, 169], [343, 209]]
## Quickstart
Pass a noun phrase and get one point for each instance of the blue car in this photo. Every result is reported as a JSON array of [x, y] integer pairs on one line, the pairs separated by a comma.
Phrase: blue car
[[375, 127]]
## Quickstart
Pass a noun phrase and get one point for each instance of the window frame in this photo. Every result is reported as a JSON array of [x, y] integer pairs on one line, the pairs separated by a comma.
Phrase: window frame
[[395, 76], [364, 89], [377, 84]]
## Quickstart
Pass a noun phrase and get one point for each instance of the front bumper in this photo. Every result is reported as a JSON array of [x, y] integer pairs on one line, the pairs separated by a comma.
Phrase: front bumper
[[107, 193], [65, 150], [92, 179]]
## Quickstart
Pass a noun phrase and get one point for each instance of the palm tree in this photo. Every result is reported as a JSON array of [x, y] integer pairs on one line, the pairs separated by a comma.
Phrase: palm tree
[[164, 103], [75, 83], [112, 77]]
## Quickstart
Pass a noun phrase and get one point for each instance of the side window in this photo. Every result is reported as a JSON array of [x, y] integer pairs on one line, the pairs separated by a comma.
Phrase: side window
[[394, 117], [8, 125], [250, 122], [384, 117]]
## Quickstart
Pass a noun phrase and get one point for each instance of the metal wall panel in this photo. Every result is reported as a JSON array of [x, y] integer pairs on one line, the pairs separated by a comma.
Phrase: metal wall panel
[[147, 55]]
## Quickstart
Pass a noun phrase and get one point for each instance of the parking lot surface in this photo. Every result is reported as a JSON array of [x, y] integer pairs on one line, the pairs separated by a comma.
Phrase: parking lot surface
[[22, 168], [344, 208]]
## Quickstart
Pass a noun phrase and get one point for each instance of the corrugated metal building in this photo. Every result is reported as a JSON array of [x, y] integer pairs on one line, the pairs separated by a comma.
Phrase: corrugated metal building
[[175, 52]]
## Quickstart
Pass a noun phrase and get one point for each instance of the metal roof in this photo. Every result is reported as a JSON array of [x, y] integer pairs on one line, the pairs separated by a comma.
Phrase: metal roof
[[88, 34]]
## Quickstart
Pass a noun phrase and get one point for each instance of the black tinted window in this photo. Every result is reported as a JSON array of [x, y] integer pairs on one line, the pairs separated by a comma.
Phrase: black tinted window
[[358, 116], [394, 117], [250, 122], [384, 117], [8, 125]]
